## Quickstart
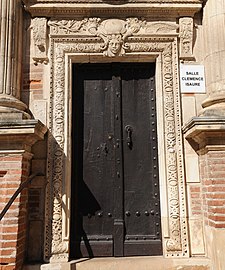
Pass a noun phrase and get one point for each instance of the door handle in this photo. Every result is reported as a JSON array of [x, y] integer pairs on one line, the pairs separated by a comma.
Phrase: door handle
[[129, 131], [104, 148]]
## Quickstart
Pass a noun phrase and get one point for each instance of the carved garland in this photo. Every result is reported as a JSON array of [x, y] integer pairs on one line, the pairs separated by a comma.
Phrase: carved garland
[[177, 244]]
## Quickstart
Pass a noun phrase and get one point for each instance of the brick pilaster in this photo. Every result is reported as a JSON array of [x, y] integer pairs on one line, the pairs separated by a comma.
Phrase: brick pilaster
[[213, 186], [16, 140], [15, 170]]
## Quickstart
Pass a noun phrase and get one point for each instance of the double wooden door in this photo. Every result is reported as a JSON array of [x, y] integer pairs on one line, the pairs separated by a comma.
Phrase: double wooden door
[[115, 187]]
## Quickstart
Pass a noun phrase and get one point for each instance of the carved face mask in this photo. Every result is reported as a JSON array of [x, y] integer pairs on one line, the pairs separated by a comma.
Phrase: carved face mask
[[115, 44]]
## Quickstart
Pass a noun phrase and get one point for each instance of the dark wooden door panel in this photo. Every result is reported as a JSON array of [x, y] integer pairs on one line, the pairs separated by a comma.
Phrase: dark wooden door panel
[[140, 159], [95, 171], [115, 174]]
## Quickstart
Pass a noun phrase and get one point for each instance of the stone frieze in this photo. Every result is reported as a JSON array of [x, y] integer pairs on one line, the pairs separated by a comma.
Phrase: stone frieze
[[113, 32]]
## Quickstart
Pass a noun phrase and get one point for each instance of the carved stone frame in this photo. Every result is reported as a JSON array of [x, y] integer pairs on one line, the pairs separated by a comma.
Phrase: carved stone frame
[[64, 50]]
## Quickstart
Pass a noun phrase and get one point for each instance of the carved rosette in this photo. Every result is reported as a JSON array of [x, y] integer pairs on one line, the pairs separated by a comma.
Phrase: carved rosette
[[186, 38], [93, 38], [39, 29]]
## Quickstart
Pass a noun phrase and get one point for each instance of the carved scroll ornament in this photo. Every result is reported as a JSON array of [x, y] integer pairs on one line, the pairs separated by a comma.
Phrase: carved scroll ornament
[[113, 32]]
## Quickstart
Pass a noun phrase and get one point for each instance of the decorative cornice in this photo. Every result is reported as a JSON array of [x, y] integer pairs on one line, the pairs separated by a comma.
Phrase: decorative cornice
[[113, 2], [156, 8]]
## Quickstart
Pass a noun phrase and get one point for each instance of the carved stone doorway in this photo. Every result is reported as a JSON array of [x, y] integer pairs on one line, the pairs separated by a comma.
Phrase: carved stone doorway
[[89, 41]]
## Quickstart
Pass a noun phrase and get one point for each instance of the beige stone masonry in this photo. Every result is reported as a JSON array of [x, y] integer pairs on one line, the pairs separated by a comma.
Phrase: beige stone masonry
[[214, 57], [168, 8], [11, 21]]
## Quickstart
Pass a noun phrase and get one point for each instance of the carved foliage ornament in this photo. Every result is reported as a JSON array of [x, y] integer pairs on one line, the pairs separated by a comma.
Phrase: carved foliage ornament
[[114, 33]]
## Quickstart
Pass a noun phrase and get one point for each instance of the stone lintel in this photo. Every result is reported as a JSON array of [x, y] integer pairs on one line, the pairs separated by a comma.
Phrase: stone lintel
[[206, 133], [92, 8], [20, 135]]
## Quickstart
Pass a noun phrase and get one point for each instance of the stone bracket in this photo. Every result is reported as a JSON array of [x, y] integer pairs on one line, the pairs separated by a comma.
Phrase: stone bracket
[[205, 133]]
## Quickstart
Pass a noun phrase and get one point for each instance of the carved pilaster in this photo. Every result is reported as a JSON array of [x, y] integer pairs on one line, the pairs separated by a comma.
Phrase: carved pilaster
[[10, 60]]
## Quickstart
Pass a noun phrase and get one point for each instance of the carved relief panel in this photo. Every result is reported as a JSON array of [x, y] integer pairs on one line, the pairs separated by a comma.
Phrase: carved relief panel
[[39, 30], [186, 37]]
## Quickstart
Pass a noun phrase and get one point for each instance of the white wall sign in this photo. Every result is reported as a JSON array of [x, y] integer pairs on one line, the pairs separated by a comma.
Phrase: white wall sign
[[192, 79]]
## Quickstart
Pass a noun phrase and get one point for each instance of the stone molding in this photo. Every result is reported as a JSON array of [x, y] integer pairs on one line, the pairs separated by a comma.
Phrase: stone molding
[[113, 2], [86, 38], [155, 8], [20, 135]]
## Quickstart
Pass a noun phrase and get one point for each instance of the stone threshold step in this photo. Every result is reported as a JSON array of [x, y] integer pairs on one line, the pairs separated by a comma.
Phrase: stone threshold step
[[128, 263], [141, 263]]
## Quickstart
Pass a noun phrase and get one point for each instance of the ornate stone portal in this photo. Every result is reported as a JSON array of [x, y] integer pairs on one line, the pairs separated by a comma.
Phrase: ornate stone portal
[[98, 40]]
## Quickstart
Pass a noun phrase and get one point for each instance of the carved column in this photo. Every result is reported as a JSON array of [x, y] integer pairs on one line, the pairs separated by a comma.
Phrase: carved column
[[214, 60], [206, 133], [10, 60]]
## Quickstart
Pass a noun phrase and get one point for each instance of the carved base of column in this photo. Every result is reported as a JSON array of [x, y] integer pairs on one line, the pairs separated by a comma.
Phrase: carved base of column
[[12, 108], [215, 110], [214, 105]]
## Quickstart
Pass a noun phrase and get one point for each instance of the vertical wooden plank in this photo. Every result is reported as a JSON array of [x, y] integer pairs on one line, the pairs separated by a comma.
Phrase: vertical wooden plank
[[140, 161], [93, 161], [118, 181]]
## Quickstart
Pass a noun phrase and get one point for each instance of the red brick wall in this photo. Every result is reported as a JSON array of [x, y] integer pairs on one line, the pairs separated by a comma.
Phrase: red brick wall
[[32, 81], [14, 169], [212, 171], [196, 199]]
